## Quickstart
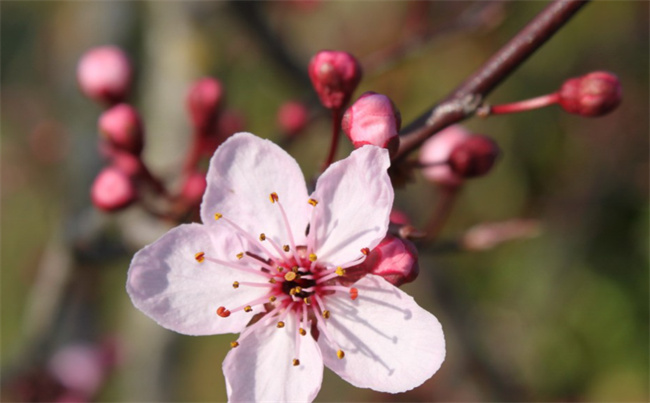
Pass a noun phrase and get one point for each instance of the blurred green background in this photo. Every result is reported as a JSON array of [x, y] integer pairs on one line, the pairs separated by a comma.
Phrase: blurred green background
[[560, 317]]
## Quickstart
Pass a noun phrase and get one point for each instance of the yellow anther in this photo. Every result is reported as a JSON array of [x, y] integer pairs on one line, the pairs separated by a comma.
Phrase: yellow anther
[[326, 314], [365, 251], [280, 324], [240, 255], [286, 248], [200, 257], [295, 290], [247, 308], [340, 354], [262, 236], [272, 281], [274, 197], [290, 276], [294, 269], [296, 362], [307, 300], [312, 257], [272, 298], [340, 271], [280, 269], [235, 284], [302, 331], [234, 344], [217, 216], [313, 202], [298, 289]]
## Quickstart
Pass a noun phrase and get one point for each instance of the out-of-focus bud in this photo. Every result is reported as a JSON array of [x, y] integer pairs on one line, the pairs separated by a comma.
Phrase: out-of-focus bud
[[128, 163], [79, 368], [395, 259], [373, 119], [203, 102], [112, 190], [435, 153], [594, 94], [334, 75], [122, 127], [292, 117], [474, 157], [399, 217], [193, 188], [104, 74]]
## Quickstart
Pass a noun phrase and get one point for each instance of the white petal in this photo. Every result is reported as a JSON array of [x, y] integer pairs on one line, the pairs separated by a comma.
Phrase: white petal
[[167, 283], [261, 368], [354, 197], [390, 343], [243, 173]]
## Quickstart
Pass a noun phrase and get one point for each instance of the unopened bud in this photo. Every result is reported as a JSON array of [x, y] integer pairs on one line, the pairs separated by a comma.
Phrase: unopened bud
[[104, 74], [112, 190], [394, 259], [435, 153], [203, 102], [128, 163], [292, 117], [373, 119], [594, 94], [474, 157], [334, 75], [194, 187], [122, 127]]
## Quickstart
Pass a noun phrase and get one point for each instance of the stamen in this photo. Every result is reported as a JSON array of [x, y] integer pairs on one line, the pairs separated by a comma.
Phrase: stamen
[[217, 216], [340, 354], [235, 284], [322, 326], [245, 234], [262, 237], [286, 222], [200, 257], [234, 344], [365, 251], [252, 284], [313, 202], [339, 271], [290, 276], [296, 362], [307, 301], [286, 248], [272, 298], [354, 293], [312, 257], [223, 312], [326, 314], [240, 255], [247, 308], [280, 324], [237, 266], [277, 248], [272, 281], [302, 331], [274, 197]]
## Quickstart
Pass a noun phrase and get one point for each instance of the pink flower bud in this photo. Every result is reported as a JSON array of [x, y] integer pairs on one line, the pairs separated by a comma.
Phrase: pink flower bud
[[104, 74], [293, 117], [128, 163], [79, 368], [335, 76], [395, 259], [399, 217], [122, 127], [193, 188], [373, 119], [203, 102], [112, 190], [594, 94], [435, 153], [474, 157]]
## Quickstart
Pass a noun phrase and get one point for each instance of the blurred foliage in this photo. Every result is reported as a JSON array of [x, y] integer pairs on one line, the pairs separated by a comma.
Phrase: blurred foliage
[[561, 317]]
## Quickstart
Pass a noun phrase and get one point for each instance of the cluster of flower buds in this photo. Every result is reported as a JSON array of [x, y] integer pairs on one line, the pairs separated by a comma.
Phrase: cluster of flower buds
[[454, 154], [104, 75], [594, 94]]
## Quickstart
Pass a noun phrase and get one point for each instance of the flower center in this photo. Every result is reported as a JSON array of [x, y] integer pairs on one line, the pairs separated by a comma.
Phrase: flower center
[[296, 283]]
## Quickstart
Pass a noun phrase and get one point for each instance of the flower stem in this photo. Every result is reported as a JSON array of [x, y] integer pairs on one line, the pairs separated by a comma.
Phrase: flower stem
[[336, 128], [521, 106]]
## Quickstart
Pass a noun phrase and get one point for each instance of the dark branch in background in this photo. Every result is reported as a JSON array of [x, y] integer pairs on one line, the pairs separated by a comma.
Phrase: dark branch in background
[[466, 98]]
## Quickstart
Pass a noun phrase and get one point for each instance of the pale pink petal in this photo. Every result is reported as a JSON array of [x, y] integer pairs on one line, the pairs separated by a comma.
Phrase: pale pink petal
[[243, 173], [167, 283], [390, 343], [261, 368], [354, 197]]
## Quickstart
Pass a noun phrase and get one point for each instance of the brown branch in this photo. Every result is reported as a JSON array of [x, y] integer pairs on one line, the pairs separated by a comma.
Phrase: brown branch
[[466, 98]]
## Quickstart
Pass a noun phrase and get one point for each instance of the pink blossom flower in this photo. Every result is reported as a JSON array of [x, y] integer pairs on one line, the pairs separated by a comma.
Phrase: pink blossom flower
[[268, 263]]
